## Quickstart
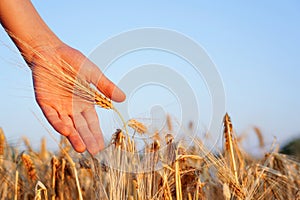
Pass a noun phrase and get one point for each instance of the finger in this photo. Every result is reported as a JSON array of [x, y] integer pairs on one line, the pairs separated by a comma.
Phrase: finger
[[66, 120], [103, 84], [85, 133], [93, 123], [94, 75], [53, 118], [65, 129], [74, 137], [76, 142]]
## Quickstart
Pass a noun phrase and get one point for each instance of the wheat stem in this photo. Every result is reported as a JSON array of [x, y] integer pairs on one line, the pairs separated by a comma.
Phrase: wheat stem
[[16, 185]]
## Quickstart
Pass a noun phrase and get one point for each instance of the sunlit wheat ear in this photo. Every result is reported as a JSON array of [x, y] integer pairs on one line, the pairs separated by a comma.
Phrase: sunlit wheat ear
[[169, 123], [73, 85], [43, 149], [29, 166], [169, 138], [27, 143], [2, 145], [155, 146], [118, 138], [137, 126], [229, 151], [259, 136]]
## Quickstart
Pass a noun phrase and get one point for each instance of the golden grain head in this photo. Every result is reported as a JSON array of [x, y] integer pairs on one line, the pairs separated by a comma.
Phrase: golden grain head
[[259, 136], [169, 123], [103, 101], [181, 150], [29, 166], [227, 123], [137, 126], [155, 145], [54, 161], [2, 142], [169, 138], [118, 138]]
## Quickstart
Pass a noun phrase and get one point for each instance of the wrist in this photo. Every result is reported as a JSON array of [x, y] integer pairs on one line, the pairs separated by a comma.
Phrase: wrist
[[36, 48]]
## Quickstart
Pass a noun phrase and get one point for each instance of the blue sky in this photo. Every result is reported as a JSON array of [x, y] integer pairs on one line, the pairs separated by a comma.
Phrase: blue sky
[[255, 46]]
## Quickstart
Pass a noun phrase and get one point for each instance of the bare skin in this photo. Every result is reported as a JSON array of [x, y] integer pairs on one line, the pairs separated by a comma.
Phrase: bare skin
[[79, 123]]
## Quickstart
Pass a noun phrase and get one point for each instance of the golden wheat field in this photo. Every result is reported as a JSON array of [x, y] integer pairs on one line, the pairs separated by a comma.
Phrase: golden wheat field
[[180, 50], [166, 169]]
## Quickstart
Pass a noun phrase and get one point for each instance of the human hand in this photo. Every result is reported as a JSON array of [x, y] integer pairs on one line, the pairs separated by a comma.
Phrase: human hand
[[69, 114]]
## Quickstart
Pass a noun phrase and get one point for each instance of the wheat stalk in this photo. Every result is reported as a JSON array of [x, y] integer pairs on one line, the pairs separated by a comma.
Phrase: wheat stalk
[[62, 185], [16, 185], [54, 163], [39, 188], [178, 181]]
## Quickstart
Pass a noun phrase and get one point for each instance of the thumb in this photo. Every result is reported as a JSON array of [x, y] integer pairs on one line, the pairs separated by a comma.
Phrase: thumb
[[103, 84]]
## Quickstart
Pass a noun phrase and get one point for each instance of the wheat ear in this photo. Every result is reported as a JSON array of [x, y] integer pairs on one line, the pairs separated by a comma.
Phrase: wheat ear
[[29, 166], [137, 126], [2, 146], [228, 135]]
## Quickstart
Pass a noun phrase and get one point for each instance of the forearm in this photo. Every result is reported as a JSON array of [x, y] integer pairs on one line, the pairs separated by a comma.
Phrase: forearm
[[26, 27]]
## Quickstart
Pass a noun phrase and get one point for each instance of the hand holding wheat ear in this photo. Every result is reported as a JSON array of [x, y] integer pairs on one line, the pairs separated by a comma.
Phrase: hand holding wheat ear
[[61, 80], [61, 77]]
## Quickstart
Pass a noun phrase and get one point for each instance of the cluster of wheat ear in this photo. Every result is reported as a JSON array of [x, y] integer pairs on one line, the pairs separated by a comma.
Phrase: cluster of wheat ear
[[164, 169]]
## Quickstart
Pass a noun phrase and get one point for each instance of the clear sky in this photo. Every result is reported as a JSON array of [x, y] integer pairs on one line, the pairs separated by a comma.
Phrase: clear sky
[[255, 46]]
